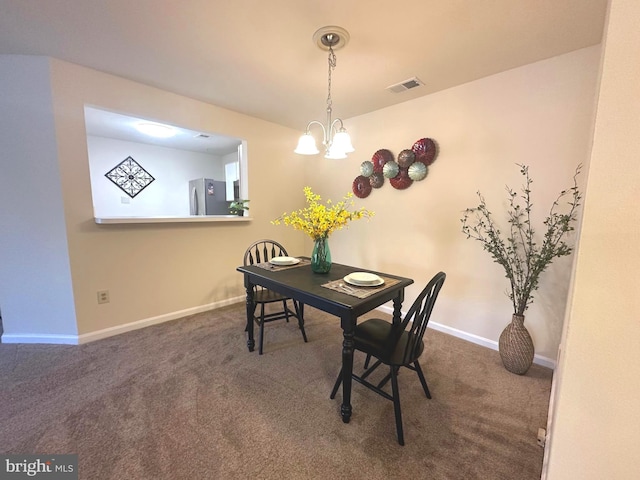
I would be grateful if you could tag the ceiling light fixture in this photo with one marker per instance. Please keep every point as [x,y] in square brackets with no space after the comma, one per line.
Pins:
[156,130]
[335,137]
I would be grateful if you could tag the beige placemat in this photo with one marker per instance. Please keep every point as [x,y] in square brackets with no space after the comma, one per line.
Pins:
[360,292]
[275,268]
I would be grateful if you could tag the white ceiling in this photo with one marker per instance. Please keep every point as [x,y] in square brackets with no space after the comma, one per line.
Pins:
[257,56]
[103,123]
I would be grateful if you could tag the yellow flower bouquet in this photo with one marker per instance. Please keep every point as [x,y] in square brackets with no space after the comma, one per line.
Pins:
[319,220]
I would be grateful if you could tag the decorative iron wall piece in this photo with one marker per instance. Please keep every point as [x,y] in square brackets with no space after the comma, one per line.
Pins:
[130,177]
[411,166]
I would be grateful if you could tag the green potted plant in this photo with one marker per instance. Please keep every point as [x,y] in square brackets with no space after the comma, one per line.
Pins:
[237,207]
[522,256]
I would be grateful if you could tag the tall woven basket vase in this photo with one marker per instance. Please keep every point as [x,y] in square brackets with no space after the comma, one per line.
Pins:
[516,346]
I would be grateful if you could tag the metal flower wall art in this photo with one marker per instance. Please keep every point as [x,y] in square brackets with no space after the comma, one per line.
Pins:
[412,165]
[130,177]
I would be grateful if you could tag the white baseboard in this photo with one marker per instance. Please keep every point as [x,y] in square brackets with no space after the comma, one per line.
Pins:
[39,338]
[147,322]
[110,332]
[470,337]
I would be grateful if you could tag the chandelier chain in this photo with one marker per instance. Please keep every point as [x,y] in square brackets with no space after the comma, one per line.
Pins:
[332,65]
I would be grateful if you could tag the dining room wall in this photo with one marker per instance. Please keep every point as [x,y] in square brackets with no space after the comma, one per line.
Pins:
[539,115]
[154,272]
[165,268]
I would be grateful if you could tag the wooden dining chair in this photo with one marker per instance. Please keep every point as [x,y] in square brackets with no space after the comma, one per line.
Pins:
[396,345]
[263,251]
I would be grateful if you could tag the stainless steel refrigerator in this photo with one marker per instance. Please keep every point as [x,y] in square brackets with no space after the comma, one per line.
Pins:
[207,197]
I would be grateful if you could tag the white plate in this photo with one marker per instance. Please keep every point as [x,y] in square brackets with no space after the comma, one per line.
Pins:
[284,260]
[363,279]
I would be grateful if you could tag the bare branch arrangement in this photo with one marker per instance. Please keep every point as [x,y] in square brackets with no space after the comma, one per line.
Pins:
[522,258]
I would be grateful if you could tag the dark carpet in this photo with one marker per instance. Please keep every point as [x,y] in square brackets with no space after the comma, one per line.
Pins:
[186,400]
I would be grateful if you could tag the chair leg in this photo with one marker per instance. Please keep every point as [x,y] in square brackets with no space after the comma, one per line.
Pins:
[261,328]
[423,381]
[396,404]
[300,316]
[370,370]
[366,362]
[336,386]
[384,381]
[286,310]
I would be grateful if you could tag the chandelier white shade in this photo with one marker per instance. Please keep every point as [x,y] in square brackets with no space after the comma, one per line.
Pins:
[335,138]
[307,145]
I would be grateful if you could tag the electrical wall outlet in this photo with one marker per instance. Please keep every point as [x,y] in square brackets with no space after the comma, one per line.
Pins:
[542,436]
[103,296]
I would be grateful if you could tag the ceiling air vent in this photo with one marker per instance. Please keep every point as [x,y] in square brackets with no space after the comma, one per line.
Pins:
[405,85]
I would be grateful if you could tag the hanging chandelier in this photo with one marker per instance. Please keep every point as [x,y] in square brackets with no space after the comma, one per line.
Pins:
[335,138]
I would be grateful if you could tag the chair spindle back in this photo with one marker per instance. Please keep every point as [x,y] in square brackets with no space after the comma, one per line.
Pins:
[263,251]
[420,312]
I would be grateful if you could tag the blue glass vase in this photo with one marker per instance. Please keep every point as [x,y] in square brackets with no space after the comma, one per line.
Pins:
[321,256]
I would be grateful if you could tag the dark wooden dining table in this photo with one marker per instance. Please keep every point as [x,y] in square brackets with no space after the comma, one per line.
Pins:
[301,284]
